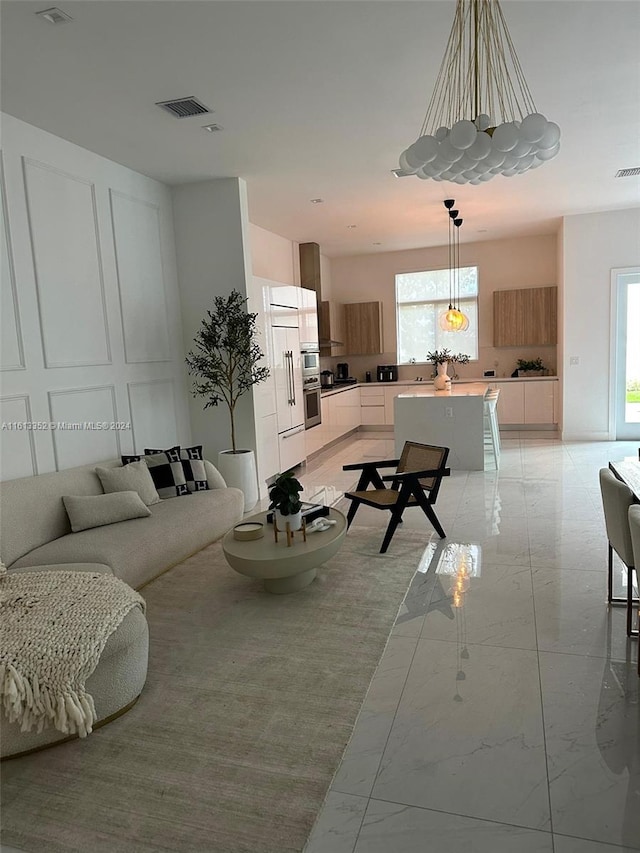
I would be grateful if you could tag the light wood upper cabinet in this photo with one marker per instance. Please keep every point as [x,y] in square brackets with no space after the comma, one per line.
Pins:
[525,317]
[363,328]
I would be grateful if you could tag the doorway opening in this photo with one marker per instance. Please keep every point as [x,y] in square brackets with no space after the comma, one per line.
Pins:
[625,352]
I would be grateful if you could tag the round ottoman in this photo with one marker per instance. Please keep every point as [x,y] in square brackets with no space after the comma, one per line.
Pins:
[115,684]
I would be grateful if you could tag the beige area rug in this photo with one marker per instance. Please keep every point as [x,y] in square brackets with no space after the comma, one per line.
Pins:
[249,704]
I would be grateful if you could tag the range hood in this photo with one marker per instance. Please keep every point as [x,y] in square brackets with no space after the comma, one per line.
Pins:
[310,277]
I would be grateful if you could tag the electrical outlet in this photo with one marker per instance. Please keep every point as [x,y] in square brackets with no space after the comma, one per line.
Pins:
[575,359]
[448,412]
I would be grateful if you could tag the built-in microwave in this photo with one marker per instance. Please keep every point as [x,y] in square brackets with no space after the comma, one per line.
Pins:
[310,358]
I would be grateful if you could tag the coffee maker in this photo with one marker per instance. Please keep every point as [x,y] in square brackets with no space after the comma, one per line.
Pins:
[342,371]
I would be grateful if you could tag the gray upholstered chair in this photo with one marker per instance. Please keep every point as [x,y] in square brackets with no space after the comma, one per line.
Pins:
[634,527]
[617,497]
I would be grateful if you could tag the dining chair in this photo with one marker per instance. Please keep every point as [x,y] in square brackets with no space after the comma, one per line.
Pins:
[491,426]
[634,527]
[617,497]
[415,482]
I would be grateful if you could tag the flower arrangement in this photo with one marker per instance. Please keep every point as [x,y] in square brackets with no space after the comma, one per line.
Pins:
[444,356]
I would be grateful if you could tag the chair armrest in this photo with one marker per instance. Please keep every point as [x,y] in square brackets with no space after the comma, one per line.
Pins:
[358,466]
[405,475]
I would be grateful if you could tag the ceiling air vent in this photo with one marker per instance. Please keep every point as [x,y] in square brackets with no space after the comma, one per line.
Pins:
[184,107]
[54,16]
[628,173]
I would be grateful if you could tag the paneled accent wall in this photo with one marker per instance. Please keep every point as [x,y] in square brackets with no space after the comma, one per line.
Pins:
[63,231]
[143,306]
[91,324]
[11,347]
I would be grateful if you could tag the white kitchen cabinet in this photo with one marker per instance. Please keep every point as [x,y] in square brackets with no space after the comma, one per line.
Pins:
[538,402]
[286,295]
[348,410]
[292,448]
[371,405]
[511,402]
[259,302]
[528,402]
[308,316]
[390,394]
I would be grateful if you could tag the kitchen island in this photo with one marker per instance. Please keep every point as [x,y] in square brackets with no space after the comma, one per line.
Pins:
[453,419]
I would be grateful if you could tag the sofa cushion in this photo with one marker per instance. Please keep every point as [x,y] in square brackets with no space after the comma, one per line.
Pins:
[134,477]
[142,548]
[193,466]
[166,471]
[87,511]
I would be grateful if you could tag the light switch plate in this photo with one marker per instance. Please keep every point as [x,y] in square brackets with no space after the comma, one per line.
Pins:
[574,359]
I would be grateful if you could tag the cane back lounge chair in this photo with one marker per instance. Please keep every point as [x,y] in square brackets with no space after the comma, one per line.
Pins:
[415,482]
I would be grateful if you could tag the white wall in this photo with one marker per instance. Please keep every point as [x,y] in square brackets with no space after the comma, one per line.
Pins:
[274,257]
[212,248]
[593,245]
[502,265]
[90,319]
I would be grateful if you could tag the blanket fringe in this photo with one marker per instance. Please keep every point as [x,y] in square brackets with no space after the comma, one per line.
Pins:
[32,706]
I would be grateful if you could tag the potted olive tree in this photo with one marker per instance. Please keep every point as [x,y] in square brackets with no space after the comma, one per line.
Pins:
[225,362]
[284,495]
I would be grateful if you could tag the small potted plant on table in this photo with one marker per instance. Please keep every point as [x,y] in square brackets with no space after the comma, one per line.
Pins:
[284,495]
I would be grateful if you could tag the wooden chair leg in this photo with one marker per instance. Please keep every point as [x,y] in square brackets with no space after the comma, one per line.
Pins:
[429,512]
[396,519]
[353,509]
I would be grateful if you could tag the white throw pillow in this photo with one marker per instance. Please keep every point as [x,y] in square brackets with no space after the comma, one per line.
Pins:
[134,477]
[87,511]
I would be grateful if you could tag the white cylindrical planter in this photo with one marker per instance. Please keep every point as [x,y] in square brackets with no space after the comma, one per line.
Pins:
[294,521]
[239,471]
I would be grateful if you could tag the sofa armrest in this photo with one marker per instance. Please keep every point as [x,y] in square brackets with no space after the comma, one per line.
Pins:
[214,477]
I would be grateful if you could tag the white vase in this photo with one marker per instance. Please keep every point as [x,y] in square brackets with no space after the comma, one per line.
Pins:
[442,382]
[239,471]
[294,521]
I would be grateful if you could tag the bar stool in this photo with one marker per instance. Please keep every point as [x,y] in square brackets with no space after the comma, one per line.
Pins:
[617,497]
[490,421]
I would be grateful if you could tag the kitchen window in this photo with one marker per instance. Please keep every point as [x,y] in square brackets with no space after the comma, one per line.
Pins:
[421,297]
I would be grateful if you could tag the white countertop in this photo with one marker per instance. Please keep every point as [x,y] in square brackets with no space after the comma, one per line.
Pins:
[458,389]
[428,383]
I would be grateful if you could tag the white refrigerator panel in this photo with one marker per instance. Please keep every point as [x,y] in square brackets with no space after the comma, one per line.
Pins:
[287,369]
[292,448]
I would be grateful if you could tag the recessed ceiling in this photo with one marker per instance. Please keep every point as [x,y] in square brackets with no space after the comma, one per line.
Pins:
[318,99]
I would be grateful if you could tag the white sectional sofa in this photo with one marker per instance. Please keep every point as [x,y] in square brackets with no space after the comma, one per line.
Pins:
[36,536]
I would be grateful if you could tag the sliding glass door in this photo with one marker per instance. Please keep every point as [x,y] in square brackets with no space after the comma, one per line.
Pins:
[626,355]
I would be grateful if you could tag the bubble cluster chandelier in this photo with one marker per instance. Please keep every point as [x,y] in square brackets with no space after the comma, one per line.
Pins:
[481,120]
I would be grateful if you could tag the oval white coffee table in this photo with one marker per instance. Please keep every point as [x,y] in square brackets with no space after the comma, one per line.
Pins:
[284,569]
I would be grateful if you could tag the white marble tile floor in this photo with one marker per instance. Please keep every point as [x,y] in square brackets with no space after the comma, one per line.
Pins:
[504,715]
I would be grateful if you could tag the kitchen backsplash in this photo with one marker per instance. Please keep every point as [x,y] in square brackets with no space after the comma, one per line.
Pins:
[506,359]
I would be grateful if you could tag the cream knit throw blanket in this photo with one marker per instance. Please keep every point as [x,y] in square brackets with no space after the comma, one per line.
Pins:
[53,628]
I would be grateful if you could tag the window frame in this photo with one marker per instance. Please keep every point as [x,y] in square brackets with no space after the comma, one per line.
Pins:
[443,301]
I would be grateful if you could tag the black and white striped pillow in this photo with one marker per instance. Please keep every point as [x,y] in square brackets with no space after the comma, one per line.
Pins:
[167,472]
